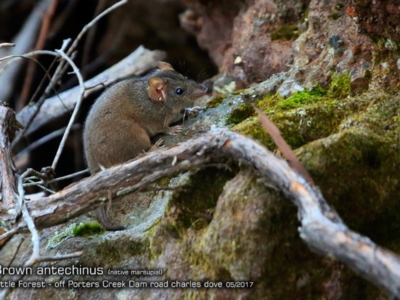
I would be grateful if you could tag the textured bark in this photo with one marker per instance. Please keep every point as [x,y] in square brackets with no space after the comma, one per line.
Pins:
[8,125]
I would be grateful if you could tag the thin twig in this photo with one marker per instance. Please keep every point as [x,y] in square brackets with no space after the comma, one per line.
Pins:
[41,84]
[22,178]
[28,55]
[28,219]
[4,45]
[76,109]
[31,182]
[56,77]
[288,153]
[69,176]
[10,233]
[39,184]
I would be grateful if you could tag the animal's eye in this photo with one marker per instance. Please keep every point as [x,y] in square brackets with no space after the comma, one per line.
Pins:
[179,91]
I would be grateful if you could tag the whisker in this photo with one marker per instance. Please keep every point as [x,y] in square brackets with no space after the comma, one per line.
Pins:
[202,75]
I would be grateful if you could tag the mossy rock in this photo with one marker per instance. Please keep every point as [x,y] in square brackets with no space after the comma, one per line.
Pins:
[356,170]
[301,125]
[196,202]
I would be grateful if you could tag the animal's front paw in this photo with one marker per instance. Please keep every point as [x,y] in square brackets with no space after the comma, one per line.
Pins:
[174,130]
[157,145]
[193,111]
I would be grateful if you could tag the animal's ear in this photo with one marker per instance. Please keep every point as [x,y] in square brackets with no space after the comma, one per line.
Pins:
[164,66]
[157,89]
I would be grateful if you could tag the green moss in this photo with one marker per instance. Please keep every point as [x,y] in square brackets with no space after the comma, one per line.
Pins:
[214,102]
[240,113]
[302,98]
[285,32]
[339,86]
[88,229]
[269,102]
[305,17]
[252,127]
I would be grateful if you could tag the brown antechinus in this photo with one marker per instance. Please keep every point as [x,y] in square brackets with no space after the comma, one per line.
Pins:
[124,118]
